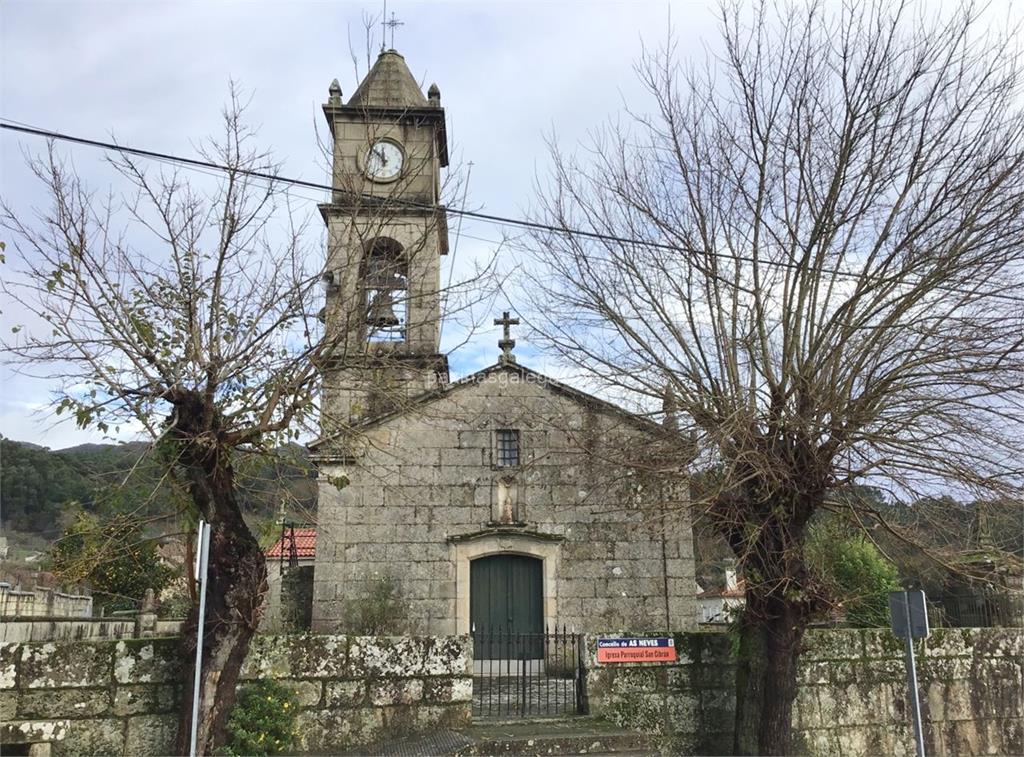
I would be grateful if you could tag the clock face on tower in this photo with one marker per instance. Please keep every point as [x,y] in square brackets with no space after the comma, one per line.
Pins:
[383,160]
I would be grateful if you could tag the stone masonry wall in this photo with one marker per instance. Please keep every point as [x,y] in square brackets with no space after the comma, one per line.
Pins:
[689,704]
[42,602]
[122,697]
[425,498]
[66,629]
[852,698]
[80,629]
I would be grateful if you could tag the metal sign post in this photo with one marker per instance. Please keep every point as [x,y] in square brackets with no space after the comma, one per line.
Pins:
[202,565]
[909,617]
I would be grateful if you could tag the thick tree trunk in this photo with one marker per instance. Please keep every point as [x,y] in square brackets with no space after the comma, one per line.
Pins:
[766,680]
[781,599]
[234,597]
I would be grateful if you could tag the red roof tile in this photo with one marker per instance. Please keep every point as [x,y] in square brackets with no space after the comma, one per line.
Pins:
[305,544]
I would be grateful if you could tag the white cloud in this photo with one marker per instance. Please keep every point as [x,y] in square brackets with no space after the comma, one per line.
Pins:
[155,74]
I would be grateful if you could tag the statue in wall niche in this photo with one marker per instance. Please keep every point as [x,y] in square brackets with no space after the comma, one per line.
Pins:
[507,501]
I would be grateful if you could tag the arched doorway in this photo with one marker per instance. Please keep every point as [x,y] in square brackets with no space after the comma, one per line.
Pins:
[506,596]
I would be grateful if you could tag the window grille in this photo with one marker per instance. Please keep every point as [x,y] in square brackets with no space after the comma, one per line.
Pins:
[508,447]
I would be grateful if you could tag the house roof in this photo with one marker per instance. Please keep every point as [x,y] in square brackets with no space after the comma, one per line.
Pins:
[305,544]
[389,84]
[739,591]
[528,374]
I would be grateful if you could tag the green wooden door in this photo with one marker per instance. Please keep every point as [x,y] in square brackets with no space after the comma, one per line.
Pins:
[506,596]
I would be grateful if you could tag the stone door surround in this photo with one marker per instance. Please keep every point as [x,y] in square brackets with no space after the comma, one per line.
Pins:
[505,541]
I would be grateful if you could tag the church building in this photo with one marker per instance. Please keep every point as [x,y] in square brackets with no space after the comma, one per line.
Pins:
[505,500]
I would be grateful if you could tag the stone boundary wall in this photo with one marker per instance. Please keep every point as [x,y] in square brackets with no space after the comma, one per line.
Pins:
[852,698]
[16,602]
[122,697]
[687,704]
[65,629]
[357,689]
[141,626]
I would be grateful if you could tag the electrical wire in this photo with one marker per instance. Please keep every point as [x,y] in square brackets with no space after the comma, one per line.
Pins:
[18,126]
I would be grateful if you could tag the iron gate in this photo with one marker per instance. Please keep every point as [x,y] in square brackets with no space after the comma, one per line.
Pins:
[528,674]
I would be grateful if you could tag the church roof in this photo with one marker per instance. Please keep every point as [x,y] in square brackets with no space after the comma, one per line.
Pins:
[389,84]
[644,424]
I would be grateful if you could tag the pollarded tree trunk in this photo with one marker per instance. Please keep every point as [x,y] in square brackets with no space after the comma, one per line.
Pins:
[781,599]
[234,595]
[766,681]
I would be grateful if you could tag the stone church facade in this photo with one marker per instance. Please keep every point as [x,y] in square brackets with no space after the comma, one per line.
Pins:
[504,500]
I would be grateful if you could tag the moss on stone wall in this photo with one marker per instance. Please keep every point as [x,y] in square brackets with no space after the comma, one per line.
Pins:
[851,698]
[122,697]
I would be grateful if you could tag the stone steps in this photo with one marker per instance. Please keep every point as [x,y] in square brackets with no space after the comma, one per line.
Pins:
[537,738]
[570,736]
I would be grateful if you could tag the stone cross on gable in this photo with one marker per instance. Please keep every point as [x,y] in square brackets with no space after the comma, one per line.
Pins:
[507,342]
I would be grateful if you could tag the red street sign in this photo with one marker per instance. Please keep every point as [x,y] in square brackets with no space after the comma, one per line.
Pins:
[662,649]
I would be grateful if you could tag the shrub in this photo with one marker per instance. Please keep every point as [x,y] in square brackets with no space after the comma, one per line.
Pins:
[263,720]
[113,557]
[857,573]
[379,609]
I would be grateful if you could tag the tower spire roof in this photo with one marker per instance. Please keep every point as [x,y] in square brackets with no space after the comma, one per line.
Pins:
[389,84]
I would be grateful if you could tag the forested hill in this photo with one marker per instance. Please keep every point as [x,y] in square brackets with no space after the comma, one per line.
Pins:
[38,486]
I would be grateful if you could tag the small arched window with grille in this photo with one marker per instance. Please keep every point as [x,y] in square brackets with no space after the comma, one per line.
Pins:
[386,290]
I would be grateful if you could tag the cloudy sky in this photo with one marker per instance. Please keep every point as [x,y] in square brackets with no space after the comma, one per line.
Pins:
[155,75]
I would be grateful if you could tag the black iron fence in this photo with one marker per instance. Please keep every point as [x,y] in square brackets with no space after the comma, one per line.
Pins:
[977,609]
[528,674]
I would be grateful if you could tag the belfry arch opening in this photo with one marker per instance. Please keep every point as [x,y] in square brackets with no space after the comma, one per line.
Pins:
[385,283]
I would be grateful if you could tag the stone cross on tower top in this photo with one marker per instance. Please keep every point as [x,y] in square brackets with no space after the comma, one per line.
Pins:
[507,342]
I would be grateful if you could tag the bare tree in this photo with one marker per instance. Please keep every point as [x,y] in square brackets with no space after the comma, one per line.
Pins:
[196,317]
[809,250]
[198,329]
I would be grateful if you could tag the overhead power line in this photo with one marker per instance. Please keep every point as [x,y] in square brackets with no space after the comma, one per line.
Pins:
[6,123]
[268,176]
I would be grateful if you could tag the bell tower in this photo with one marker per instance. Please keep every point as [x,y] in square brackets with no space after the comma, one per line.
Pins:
[386,232]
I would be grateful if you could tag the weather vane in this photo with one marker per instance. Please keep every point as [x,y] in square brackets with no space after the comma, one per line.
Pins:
[388,23]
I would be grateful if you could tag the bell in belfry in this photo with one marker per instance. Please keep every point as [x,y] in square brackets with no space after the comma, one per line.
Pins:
[382,311]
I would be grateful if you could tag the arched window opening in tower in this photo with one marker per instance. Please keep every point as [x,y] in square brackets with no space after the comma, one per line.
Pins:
[386,288]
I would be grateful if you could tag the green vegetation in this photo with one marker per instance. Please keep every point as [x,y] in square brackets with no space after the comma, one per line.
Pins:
[38,485]
[984,539]
[855,572]
[101,510]
[113,557]
[380,608]
[35,484]
[263,720]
